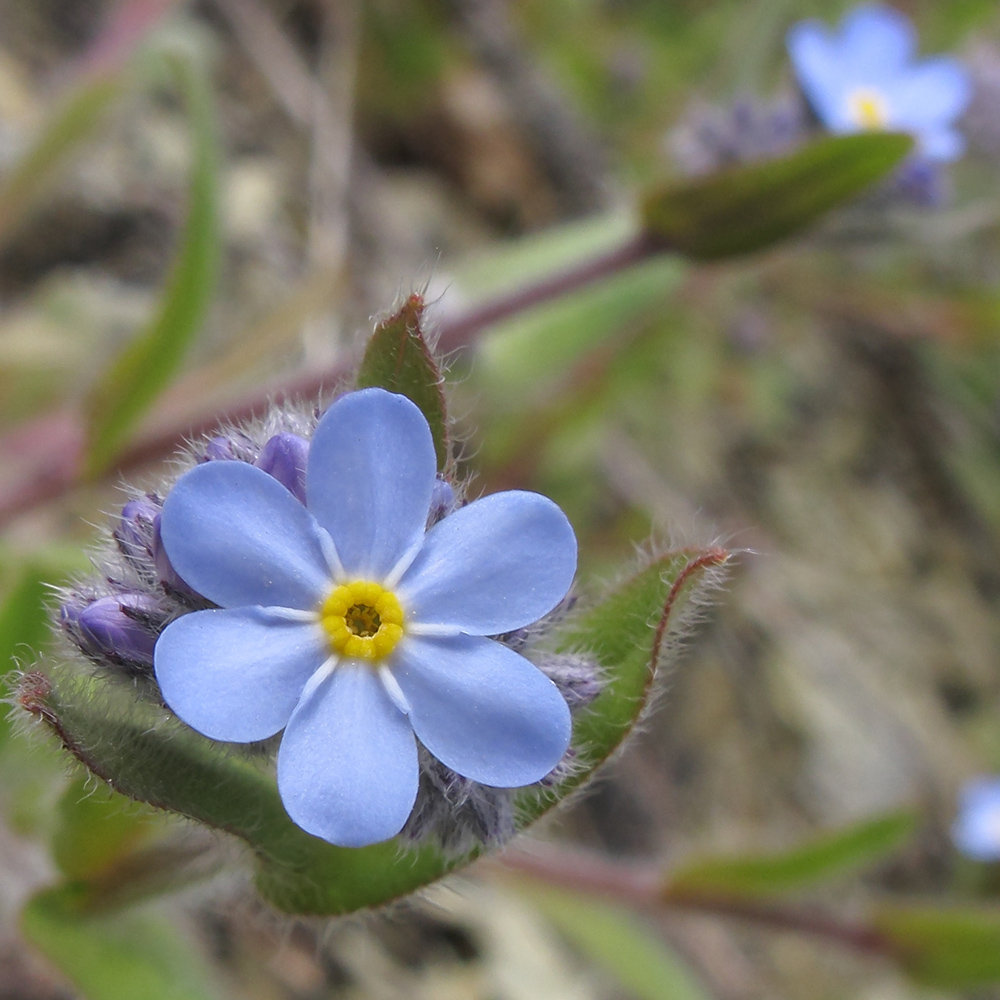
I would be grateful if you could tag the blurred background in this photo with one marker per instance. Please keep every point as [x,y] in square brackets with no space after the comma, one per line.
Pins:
[830,408]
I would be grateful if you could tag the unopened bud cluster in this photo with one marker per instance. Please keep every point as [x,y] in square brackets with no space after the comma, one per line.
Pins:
[115,617]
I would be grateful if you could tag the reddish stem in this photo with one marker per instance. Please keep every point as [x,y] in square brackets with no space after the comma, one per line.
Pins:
[646,886]
[56,467]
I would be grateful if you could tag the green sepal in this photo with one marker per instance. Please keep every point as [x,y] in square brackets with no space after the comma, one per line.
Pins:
[827,856]
[398,359]
[146,754]
[747,208]
[947,947]
[136,955]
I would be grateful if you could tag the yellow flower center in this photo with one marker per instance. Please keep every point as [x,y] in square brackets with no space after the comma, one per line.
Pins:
[362,619]
[868,109]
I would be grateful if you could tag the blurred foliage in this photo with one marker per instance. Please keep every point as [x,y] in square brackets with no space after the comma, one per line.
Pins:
[837,396]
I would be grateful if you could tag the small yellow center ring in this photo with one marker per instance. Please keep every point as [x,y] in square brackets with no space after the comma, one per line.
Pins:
[363,620]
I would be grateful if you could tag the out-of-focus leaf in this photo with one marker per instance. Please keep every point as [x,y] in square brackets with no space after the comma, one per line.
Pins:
[824,857]
[96,826]
[529,350]
[397,358]
[24,619]
[149,362]
[619,942]
[948,947]
[750,207]
[132,955]
[72,122]
[146,755]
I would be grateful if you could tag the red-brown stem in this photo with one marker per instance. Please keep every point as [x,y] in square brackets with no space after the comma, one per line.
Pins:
[58,469]
[646,887]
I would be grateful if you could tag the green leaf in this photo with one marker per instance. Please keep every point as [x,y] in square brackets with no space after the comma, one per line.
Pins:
[541,344]
[147,755]
[397,358]
[827,856]
[73,121]
[747,208]
[149,362]
[134,955]
[24,616]
[620,942]
[96,827]
[948,947]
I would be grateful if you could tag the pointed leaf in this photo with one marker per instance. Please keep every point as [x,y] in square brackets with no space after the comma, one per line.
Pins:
[620,942]
[134,955]
[24,616]
[149,362]
[948,947]
[397,358]
[825,857]
[95,827]
[147,755]
[750,207]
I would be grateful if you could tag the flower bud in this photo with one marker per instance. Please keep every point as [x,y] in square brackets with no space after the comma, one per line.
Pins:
[134,531]
[442,501]
[120,629]
[165,573]
[227,448]
[284,457]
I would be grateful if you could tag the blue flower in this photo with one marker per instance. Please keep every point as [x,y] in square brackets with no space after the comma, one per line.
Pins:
[354,629]
[866,77]
[976,831]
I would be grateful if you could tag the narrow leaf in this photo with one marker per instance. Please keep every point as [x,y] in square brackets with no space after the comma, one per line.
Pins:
[72,122]
[148,755]
[948,947]
[397,358]
[133,955]
[750,207]
[24,617]
[149,362]
[825,857]
[96,827]
[619,942]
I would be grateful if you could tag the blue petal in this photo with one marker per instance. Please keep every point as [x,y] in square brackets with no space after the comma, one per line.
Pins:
[876,43]
[819,69]
[482,709]
[942,144]
[347,765]
[236,675]
[496,565]
[371,473]
[238,537]
[976,832]
[934,93]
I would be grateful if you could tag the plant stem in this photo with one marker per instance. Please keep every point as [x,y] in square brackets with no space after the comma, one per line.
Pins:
[646,886]
[56,442]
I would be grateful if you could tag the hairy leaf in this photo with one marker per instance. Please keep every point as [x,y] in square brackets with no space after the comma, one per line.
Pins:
[750,207]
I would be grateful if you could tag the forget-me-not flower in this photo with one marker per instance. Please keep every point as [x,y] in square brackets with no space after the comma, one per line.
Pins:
[976,831]
[866,77]
[347,624]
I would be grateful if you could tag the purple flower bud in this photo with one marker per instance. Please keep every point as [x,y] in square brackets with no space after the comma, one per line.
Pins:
[578,678]
[134,531]
[442,501]
[284,457]
[120,629]
[227,448]
[166,575]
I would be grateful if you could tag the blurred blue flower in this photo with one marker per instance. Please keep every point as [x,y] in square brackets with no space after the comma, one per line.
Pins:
[866,77]
[976,831]
[347,625]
